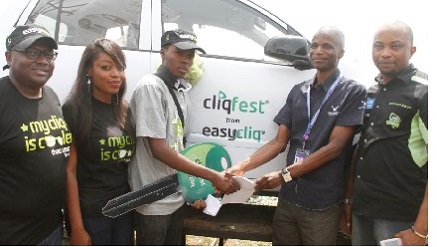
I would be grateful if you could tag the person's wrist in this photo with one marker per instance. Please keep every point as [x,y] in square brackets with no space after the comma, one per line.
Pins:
[286,175]
[216,176]
[280,175]
[421,235]
[240,169]
[348,201]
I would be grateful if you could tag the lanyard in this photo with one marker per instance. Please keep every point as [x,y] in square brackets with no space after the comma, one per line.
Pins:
[316,115]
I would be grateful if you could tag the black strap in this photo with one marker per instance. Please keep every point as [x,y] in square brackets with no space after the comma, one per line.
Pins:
[161,74]
[176,101]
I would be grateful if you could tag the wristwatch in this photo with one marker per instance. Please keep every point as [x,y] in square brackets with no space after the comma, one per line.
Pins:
[286,175]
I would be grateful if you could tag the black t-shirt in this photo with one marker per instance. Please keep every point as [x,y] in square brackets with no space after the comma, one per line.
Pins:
[34,148]
[102,165]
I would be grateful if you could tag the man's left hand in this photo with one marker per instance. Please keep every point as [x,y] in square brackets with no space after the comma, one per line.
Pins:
[269,181]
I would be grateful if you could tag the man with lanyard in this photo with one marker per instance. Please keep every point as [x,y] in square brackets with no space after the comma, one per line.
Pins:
[318,120]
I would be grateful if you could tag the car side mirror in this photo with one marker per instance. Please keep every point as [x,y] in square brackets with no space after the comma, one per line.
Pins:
[289,48]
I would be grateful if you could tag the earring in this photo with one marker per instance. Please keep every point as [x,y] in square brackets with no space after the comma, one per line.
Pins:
[88,82]
[116,96]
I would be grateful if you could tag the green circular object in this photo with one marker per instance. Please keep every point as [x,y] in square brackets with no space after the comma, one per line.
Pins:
[206,154]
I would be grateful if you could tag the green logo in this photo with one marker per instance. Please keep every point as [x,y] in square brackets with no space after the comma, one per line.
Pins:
[206,154]
[222,102]
[393,120]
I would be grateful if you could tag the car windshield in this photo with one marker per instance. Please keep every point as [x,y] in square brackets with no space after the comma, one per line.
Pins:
[81,21]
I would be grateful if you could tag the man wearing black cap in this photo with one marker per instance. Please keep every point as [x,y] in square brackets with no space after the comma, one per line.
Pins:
[159,109]
[34,142]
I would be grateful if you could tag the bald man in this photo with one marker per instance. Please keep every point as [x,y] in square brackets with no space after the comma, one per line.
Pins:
[390,178]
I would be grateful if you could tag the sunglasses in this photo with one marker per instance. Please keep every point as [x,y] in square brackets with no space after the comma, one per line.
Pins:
[34,54]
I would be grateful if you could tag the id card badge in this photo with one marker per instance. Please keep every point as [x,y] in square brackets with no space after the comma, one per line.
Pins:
[301,154]
[369,104]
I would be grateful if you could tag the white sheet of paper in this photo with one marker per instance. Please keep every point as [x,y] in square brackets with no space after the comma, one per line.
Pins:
[246,190]
[212,205]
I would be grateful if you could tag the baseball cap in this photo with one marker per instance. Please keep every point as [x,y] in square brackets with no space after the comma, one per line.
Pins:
[24,36]
[182,39]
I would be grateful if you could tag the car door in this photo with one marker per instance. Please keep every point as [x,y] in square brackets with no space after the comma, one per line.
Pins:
[241,89]
[75,23]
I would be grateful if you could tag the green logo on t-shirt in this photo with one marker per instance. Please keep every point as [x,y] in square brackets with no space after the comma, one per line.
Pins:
[116,148]
[50,133]
[393,120]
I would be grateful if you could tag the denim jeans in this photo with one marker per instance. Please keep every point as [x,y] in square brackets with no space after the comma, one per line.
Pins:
[159,229]
[294,225]
[369,231]
[108,231]
[54,239]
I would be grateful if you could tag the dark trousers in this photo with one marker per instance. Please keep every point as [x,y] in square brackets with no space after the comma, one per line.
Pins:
[54,239]
[159,229]
[294,225]
[369,231]
[107,231]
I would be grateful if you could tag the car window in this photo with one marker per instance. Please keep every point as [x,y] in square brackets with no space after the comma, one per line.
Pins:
[223,27]
[78,22]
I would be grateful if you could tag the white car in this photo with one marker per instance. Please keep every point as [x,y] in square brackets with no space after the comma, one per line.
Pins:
[241,89]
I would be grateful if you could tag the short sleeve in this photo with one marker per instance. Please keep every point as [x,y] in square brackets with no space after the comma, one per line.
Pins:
[352,112]
[148,110]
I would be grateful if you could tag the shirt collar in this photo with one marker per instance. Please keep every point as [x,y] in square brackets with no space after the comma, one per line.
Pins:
[404,76]
[166,75]
[328,82]
[180,84]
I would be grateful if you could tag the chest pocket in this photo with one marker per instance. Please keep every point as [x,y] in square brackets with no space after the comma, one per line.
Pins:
[394,110]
